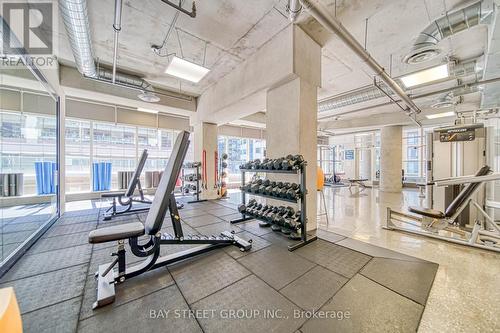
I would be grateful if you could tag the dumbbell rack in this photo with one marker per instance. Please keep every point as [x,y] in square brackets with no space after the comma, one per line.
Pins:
[197,182]
[303,190]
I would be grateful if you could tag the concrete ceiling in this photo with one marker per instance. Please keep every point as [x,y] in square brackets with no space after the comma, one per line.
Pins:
[232,30]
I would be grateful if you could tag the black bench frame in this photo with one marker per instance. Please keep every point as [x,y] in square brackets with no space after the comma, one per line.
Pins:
[108,274]
[127,198]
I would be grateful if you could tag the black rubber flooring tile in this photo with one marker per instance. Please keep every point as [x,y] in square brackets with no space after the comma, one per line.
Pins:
[132,289]
[59,242]
[60,317]
[334,257]
[56,230]
[371,308]
[253,227]
[255,301]
[93,211]
[191,213]
[313,289]
[330,236]
[231,217]
[408,278]
[50,288]
[375,251]
[204,275]
[64,220]
[277,266]
[39,263]
[221,211]
[217,228]
[257,244]
[279,239]
[155,313]
[199,221]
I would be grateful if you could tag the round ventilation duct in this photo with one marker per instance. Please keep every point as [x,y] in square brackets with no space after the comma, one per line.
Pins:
[418,55]
[149,97]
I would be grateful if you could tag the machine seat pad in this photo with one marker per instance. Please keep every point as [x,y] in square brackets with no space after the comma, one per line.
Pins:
[112,194]
[117,232]
[427,212]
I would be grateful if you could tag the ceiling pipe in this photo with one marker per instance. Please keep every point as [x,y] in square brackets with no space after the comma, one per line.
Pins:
[293,8]
[117,26]
[426,46]
[75,18]
[461,90]
[325,19]
[178,7]
[456,70]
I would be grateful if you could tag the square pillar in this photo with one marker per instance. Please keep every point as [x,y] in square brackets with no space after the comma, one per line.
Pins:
[205,135]
[291,127]
[391,158]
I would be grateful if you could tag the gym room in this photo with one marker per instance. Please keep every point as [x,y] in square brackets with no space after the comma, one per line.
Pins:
[249,166]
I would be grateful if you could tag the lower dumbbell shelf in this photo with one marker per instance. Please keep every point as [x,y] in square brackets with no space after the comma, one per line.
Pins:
[270,196]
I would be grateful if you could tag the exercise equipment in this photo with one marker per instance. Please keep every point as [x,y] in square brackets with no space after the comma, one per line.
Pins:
[190,178]
[443,225]
[127,198]
[281,218]
[117,272]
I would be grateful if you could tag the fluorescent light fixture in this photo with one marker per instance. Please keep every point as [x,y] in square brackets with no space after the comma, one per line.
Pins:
[147,110]
[186,70]
[440,115]
[425,76]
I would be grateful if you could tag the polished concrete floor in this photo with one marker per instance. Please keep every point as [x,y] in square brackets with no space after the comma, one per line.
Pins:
[466,292]
[357,286]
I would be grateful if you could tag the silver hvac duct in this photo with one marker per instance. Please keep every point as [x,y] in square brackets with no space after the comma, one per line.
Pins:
[426,46]
[326,20]
[368,93]
[76,22]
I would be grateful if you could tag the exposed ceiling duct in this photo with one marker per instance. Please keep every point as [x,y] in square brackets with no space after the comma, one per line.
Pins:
[456,70]
[491,93]
[75,18]
[330,23]
[426,45]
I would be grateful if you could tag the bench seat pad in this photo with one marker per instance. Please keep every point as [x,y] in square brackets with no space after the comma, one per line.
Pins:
[117,232]
[427,212]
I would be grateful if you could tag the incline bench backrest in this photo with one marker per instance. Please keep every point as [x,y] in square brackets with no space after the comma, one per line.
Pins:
[137,173]
[161,201]
[466,192]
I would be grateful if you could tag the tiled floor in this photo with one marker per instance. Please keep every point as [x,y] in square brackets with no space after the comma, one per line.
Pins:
[18,223]
[271,289]
[465,293]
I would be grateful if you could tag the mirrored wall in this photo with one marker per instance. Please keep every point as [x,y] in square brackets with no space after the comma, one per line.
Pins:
[28,159]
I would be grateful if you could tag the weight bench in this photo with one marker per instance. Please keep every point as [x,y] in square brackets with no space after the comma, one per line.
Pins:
[117,272]
[127,198]
[360,182]
[437,224]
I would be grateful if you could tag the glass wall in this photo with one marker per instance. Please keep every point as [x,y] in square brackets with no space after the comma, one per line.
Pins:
[239,151]
[413,154]
[28,161]
[89,142]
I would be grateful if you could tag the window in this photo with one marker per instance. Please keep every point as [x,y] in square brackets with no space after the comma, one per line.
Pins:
[26,139]
[77,156]
[239,151]
[412,153]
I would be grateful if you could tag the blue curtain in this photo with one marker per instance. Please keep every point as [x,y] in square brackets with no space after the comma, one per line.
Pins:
[101,176]
[45,180]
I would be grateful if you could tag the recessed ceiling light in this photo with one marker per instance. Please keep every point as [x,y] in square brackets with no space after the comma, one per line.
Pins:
[186,70]
[146,110]
[425,76]
[440,115]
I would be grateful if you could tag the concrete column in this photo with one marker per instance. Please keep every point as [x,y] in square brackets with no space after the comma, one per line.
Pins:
[205,140]
[291,129]
[365,161]
[391,145]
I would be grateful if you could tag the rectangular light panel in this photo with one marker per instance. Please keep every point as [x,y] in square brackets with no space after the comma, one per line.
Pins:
[186,70]
[425,76]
